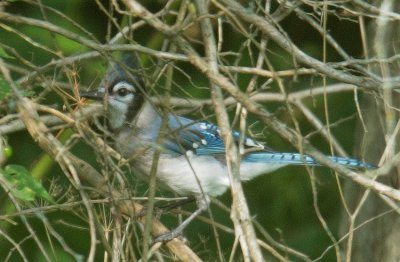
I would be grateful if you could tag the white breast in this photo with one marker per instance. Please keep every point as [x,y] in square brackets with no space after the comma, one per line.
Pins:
[191,175]
[188,175]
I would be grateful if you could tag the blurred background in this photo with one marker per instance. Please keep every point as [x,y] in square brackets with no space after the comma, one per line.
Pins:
[282,203]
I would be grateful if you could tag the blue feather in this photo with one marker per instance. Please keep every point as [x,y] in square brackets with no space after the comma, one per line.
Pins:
[299,159]
[203,138]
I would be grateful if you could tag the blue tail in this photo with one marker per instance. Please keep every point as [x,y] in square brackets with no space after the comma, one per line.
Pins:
[299,159]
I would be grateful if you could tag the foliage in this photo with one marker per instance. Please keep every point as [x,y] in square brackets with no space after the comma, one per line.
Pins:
[308,65]
[22,185]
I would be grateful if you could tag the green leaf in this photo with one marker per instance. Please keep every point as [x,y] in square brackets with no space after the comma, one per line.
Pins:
[5,89]
[22,185]
[7,151]
[4,54]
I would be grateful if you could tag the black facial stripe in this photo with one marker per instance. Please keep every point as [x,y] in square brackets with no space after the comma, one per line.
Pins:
[138,100]
[112,85]
[134,107]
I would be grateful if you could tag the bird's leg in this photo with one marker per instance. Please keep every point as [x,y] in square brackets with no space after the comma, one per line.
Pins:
[202,204]
[179,203]
[167,207]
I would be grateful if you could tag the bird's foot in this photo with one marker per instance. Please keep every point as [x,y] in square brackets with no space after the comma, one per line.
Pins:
[169,236]
[202,203]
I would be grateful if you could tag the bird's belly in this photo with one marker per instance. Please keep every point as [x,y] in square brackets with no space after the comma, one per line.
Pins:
[248,171]
[188,176]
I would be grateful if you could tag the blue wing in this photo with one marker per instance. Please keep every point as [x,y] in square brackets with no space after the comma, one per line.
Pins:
[299,159]
[202,138]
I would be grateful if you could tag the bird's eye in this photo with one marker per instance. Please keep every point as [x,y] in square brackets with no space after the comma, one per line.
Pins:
[122,91]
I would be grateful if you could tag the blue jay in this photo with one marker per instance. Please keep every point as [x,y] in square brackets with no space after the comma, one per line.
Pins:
[192,160]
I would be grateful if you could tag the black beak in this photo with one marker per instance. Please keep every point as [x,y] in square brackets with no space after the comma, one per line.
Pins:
[94,95]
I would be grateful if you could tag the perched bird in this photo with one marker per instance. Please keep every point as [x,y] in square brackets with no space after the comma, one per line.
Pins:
[192,159]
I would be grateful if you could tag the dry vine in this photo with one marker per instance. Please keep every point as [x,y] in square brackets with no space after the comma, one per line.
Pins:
[191,42]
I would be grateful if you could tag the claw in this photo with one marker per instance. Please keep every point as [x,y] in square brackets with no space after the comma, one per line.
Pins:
[202,202]
[168,236]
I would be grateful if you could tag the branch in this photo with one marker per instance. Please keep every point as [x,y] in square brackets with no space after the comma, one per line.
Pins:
[269,29]
[284,131]
[240,213]
[88,174]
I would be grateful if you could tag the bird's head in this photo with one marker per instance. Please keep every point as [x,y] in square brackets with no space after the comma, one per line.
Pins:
[121,91]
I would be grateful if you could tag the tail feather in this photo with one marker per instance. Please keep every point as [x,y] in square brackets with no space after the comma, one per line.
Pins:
[299,159]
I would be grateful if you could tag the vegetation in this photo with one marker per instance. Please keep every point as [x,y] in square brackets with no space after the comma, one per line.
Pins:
[317,77]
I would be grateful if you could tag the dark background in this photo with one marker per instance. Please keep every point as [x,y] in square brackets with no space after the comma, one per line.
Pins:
[281,202]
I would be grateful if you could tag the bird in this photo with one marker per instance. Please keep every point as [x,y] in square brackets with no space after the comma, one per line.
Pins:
[192,156]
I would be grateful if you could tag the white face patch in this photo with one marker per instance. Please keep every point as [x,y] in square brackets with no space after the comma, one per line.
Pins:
[118,101]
